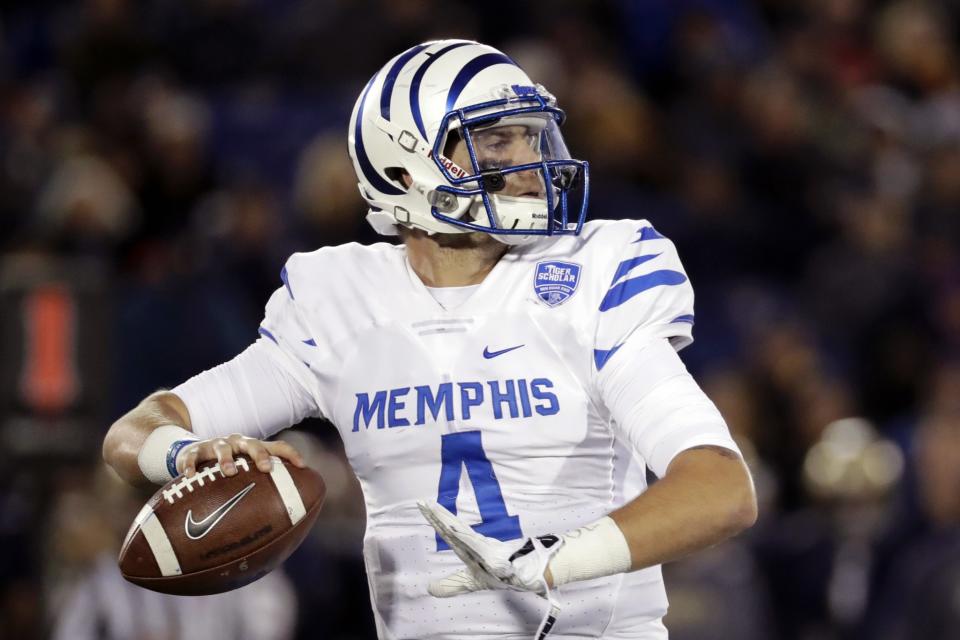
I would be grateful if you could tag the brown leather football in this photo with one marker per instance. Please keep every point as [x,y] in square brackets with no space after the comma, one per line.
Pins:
[212,533]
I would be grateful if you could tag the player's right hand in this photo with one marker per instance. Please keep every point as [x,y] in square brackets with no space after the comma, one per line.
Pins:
[490,563]
[223,451]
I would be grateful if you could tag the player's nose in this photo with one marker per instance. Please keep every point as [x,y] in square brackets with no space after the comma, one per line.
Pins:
[525,183]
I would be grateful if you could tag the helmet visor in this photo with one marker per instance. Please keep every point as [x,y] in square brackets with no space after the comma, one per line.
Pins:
[519,172]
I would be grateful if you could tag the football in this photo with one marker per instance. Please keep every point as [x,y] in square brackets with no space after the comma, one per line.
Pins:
[212,533]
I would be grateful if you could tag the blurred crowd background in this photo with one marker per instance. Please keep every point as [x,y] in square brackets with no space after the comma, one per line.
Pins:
[160,159]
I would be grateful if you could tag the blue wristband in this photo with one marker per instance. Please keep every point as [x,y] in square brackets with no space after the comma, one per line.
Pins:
[172,453]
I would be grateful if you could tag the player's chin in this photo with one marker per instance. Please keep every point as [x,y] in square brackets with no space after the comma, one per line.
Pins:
[471,240]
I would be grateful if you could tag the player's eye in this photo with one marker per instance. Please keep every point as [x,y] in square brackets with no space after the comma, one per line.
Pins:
[497,146]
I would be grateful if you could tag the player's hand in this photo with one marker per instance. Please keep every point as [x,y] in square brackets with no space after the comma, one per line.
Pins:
[491,564]
[223,451]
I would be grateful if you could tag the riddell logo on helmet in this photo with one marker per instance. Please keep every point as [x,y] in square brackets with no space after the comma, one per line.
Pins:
[452,167]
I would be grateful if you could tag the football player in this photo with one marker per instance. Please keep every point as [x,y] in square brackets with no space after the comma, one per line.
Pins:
[501,379]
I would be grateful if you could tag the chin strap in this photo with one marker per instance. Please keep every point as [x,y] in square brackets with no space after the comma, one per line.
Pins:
[529,564]
[549,619]
[542,549]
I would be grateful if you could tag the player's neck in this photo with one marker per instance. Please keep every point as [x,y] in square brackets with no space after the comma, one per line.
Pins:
[452,260]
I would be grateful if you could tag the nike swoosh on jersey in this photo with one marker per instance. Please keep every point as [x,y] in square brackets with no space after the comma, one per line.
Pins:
[493,354]
[196,530]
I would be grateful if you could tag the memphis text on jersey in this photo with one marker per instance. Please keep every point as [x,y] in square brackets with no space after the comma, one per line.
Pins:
[449,401]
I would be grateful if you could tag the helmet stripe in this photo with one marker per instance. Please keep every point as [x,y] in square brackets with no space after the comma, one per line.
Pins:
[418,77]
[387,92]
[470,71]
[375,179]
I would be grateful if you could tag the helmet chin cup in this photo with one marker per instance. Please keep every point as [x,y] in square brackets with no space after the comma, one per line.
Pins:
[512,213]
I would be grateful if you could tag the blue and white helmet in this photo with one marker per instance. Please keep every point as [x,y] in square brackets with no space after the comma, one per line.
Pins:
[519,181]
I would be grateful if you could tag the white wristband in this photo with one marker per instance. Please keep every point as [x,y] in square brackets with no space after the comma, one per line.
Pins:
[593,551]
[158,455]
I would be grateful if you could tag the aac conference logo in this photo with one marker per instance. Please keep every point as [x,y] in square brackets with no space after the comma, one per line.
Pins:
[554,282]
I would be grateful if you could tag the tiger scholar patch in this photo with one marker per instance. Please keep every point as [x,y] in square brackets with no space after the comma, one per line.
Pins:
[554,281]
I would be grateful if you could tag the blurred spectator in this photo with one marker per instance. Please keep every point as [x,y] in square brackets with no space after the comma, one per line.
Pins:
[325,193]
[176,169]
[720,593]
[85,207]
[918,596]
[819,560]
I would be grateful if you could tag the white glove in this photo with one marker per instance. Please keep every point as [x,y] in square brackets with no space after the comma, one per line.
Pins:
[595,550]
[491,564]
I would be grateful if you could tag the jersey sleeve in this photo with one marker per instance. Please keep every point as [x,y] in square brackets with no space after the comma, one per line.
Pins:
[268,387]
[647,294]
[293,342]
[657,405]
[253,394]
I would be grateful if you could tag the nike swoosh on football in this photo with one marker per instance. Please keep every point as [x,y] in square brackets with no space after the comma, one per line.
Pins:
[196,530]
[493,354]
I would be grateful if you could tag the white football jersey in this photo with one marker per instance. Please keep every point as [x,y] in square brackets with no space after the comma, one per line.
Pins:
[492,408]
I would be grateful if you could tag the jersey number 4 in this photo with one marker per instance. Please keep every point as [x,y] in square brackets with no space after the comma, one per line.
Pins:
[465,450]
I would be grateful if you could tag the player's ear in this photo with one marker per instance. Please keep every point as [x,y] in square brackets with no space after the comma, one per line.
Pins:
[450,144]
[400,176]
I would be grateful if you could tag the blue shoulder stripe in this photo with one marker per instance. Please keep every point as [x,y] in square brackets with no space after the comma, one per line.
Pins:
[286,282]
[648,233]
[688,318]
[267,334]
[622,292]
[627,265]
[600,356]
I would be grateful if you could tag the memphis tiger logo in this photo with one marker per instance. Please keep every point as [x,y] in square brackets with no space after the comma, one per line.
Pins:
[554,281]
